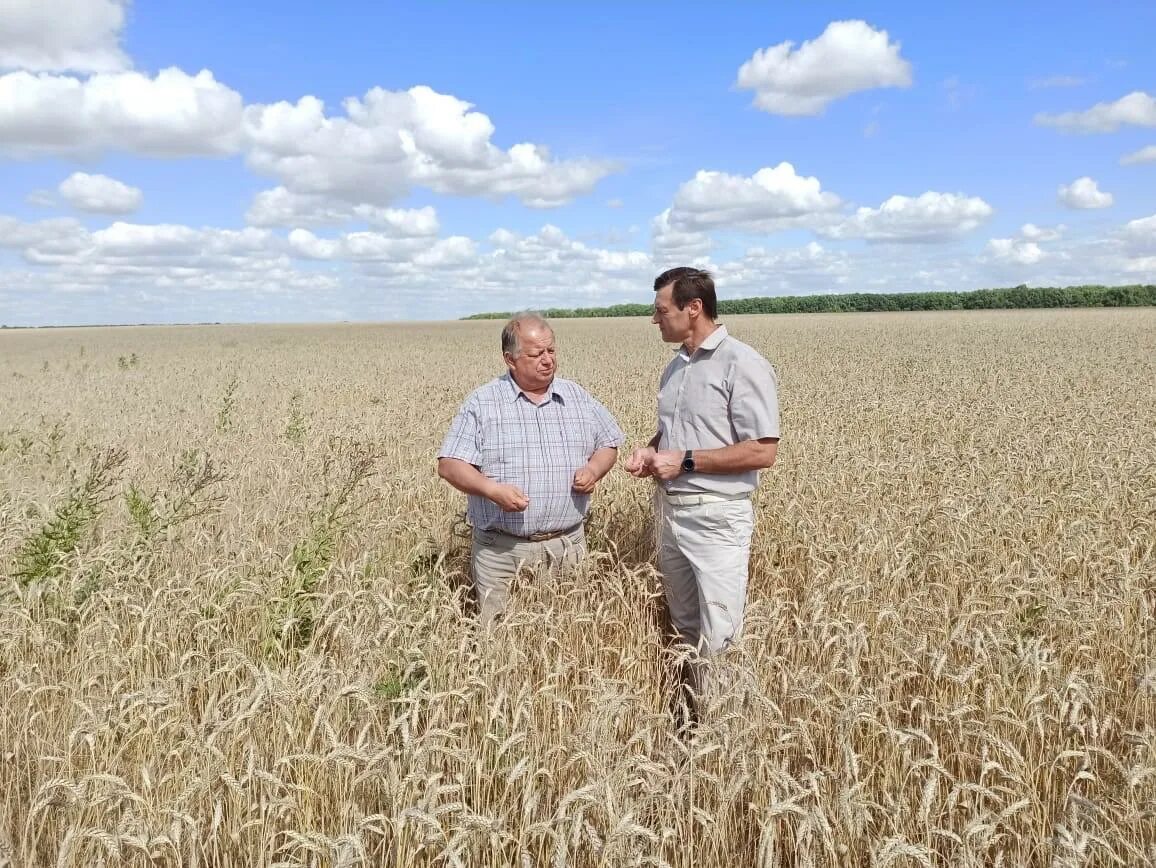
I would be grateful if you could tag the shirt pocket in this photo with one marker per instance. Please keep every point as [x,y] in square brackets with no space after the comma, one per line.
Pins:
[496,451]
[576,438]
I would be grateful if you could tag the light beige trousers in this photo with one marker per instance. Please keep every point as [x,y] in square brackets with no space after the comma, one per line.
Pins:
[704,548]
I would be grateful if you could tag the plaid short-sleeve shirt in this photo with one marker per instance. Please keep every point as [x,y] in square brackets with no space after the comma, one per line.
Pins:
[537,447]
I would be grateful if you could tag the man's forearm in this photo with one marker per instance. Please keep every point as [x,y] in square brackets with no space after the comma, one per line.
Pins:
[739,458]
[465,477]
[602,461]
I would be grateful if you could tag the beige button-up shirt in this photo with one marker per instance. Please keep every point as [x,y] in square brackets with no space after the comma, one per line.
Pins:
[721,394]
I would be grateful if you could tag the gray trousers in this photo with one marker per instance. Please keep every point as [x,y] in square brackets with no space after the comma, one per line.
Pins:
[496,559]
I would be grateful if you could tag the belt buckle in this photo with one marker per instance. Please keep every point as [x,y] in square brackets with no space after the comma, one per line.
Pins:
[544,536]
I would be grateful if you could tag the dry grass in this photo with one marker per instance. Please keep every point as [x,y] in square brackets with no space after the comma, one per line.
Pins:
[232,630]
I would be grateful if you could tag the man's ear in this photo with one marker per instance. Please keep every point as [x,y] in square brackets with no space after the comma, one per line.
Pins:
[694,306]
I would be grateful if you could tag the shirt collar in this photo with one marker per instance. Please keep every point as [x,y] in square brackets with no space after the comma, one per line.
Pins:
[516,391]
[711,343]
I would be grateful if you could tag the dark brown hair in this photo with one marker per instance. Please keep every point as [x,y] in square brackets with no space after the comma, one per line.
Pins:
[690,283]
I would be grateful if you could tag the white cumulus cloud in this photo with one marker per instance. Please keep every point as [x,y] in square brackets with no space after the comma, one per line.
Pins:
[1015,250]
[403,222]
[99,194]
[280,207]
[17,234]
[379,148]
[445,253]
[508,271]
[366,246]
[1136,109]
[1140,235]
[144,240]
[135,249]
[135,239]
[770,199]
[1144,155]
[308,246]
[58,35]
[168,115]
[1143,265]
[849,56]
[564,271]
[130,272]
[931,216]
[390,141]
[671,244]
[1083,193]
[785,271]
[1032,232]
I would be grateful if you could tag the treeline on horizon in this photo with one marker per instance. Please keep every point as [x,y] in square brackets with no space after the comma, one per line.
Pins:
[1010,298]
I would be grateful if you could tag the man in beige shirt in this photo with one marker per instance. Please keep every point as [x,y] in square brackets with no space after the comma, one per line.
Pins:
[718,425]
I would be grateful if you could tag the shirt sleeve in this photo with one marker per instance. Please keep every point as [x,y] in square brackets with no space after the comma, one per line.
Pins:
[606,430]
[464,440]
[754,402]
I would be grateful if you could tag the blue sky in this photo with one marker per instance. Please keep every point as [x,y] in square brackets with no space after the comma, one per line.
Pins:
[271,162]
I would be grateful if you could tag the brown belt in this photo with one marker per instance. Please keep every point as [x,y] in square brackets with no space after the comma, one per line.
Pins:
[541,537]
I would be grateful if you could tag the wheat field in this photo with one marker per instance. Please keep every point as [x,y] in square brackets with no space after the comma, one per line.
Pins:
[234,627]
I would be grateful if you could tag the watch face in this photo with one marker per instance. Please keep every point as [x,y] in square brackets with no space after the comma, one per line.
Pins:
[688,465]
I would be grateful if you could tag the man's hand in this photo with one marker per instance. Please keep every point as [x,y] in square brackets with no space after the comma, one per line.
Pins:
[509,498]
[666,464]
[638,464]
[584,480]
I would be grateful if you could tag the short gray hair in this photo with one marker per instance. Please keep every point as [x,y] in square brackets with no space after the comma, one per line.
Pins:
[512,333]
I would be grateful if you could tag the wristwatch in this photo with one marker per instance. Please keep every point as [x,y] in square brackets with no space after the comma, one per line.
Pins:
[688,462]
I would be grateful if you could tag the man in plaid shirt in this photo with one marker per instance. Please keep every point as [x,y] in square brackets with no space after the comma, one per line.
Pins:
[527,448]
